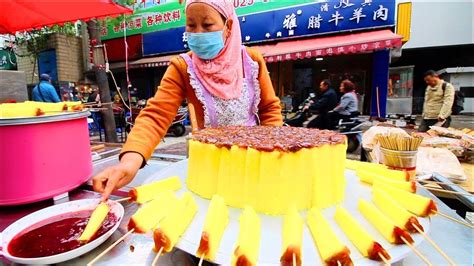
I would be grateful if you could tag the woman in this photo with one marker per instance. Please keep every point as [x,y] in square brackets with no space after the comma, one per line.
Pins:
[227,84]
[348,105]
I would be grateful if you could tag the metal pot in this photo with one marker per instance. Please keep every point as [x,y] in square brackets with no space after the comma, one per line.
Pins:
[42,157]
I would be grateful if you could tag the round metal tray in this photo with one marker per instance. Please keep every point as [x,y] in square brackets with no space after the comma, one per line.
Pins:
[271,227]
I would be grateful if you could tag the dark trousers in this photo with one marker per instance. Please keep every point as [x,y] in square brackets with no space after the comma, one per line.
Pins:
[427,123]
[320,122]
[335,117]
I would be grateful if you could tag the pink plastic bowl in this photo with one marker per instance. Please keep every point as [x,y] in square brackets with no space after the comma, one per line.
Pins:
[42,157]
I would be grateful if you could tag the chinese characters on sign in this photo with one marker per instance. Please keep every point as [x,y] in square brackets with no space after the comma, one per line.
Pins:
[301,19]
[289,23]
[149,20]
[337,50]
[358,13]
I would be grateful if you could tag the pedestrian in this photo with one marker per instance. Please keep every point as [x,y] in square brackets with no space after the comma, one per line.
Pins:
[227,83]
[439,100]
[324,103]
[348,105]
[44,91]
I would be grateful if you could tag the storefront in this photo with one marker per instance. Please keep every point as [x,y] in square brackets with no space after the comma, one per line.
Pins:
[302,43]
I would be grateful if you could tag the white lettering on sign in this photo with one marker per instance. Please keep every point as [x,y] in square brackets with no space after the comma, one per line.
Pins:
[185,37]
[3,61]
[357,15]
[290,22]
[336,17]
[343,4]
[314,22]
[367,3]
[381,13]
[325,7]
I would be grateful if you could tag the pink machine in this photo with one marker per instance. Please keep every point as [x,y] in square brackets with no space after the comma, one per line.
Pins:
[42,157]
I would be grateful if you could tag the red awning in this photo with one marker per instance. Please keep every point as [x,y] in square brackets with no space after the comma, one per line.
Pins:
[23,15]
[335,45]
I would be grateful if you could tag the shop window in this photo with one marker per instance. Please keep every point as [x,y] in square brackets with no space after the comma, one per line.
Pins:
[400,83]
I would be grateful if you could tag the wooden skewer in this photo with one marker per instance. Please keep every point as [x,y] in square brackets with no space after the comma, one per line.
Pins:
[157,257]
[433,182]
[418,253]
[111,247]
[123,199]
[339,263]
[385,260]
[201,259]
[294,259]
[447,191]
[454,219]
[451,262]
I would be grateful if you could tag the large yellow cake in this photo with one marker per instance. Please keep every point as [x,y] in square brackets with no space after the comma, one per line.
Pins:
[268,168]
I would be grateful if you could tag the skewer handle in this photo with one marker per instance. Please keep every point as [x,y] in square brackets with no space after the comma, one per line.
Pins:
[294,260]
[447,191]
[450,261]
[417,252]
[123,199]
[155,260]
[385,260]
[455,220]
[109,248]
[201,260]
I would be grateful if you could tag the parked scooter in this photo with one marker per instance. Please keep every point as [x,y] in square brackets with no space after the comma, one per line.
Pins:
[176,128]
[352,128]
[302,115]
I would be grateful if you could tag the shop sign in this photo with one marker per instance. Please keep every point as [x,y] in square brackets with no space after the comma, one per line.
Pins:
[7,60]
[158,15]
[298,20]
[337,50]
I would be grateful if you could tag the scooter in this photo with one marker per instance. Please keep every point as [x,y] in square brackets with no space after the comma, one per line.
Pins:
[301,116]
[352,128]
[176,128]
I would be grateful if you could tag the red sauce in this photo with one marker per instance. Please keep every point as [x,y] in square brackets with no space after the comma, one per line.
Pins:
[133,225]
[376,251]
[241,260]
[203,244]
[55,236]
[410,225]
[161,241]
[287,257]
[399,233]
[133,194]
[342,257]
[430,209]
[413,187]
[262,138]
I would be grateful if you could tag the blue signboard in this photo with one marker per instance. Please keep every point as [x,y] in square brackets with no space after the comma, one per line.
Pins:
[305,20]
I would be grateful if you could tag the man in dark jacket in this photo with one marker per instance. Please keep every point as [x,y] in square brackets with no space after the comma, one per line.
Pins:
[326,102]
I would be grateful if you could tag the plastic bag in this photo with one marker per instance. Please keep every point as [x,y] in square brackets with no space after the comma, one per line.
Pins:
[441,161]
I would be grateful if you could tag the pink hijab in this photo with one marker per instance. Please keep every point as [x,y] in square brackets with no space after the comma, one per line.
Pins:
[223,75]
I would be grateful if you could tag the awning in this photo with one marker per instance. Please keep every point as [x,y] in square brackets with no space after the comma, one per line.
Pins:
[157,61]
[326,46]
[21,15]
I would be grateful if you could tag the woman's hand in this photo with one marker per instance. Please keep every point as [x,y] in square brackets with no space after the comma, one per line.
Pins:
[117,176]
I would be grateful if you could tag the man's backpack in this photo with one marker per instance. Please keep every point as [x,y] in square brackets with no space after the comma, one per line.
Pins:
[458,104]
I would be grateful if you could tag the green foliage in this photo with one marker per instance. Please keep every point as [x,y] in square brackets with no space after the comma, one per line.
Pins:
[36,41]
[116,21]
